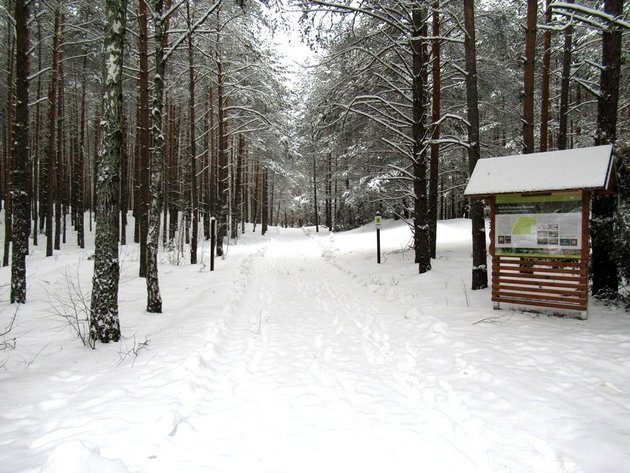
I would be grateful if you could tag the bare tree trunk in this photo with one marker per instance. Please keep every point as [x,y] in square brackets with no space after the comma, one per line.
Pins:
[8,164]
[36,143]
[104,323]
[315,194]
[605,267]
[60,149]
[194,204]
[528,92]
[435,135]
[328,202]
[222,168]
[205,182]
[480,269]
[21,200]
[565,86]
[546,72]
[265,202]
[143,196]
[154,299]
[51,150]
[237,205]
[419,135]
[80,165]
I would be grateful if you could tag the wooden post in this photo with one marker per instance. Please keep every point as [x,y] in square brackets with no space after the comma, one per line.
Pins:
[213,241]
[378,220]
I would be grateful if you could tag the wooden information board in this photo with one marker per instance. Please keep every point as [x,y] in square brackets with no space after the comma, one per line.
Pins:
[539,248]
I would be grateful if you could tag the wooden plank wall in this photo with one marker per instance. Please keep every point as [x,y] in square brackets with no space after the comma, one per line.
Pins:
[540,282]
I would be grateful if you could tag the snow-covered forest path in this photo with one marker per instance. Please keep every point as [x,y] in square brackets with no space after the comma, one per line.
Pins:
[300,354]
[305,378]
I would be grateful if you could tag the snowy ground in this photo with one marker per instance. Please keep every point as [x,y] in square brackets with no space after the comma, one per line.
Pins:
[300,354]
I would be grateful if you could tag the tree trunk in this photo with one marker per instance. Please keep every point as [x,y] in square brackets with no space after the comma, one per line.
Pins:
[565,86]
[238,194]
[528,80]
[605,268]
[435,135]
[546,72]
[143,196]
[154,299]
[36,143]
[222,167]
[79,211]
[8,158]
[58,195]
[419,135]
[480,269]
[315,194]
[104,323]
[21,200]
[265,202]
[194,204]
[51,150]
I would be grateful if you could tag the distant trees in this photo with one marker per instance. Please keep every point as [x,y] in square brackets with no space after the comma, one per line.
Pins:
[361,101]
[387,121]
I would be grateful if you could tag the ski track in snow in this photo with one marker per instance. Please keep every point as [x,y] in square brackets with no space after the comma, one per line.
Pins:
[307,365]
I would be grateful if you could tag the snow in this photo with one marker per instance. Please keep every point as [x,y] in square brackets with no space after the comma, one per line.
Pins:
[300,353]
[572,169]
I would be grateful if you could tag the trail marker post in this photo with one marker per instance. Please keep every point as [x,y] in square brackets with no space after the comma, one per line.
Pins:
[378,220]
[213,241]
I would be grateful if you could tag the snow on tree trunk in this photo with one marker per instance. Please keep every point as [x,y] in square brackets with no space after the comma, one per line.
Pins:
[104,324]
[605,269]
[435,128]
[564,86]
[222,165]
[51,150]
[154,299]
[194,204]
[143,197]
[528,81]
[20,194]
[419,135]
[546,73]
[479,271]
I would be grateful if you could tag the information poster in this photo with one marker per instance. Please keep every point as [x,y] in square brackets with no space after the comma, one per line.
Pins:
[547,225]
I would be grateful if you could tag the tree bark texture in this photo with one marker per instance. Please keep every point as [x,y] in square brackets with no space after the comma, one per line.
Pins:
[435,128]
[419,135]
[8,158]
[194,198]
[143,196]
[546,73]
[565,86]
[154,299]
[104,323]
[20,194]
[528,80]
[51,149]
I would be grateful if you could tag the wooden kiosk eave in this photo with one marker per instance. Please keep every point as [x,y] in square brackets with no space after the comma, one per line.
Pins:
[553,281]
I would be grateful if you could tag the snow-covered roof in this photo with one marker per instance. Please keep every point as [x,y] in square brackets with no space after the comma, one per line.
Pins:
[583,168]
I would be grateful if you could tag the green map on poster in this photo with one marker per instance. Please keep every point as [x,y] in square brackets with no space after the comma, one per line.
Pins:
[547,225]
[523,225]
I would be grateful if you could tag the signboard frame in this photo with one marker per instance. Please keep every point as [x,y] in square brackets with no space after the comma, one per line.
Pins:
[542,225]
[543,280]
